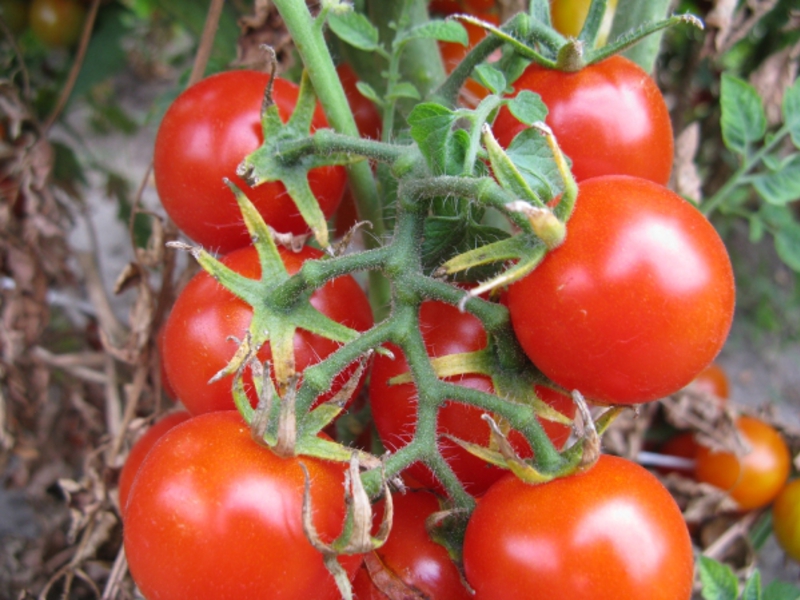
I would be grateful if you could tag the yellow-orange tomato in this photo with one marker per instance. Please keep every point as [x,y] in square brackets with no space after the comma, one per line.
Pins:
[786,519]
[568,17]
[713,380]
[755,479]
[58,23]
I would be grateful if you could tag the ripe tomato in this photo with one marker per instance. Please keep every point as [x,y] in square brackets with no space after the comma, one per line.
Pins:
[786,519]
[204,136]
[635,303]
[681,445]
[368,119]
[611,532]
[205,316]
[754,479]
[450,7]
[568,17]
[140,450]
[411,556]
[714,381]
[610,119]
[446,331]
[214,515]
[58,23]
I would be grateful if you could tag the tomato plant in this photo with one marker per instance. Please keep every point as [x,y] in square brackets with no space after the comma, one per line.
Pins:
[636,302]
[368,119]
[611,532]
[411,556]
[57,23]
[453,53]
[786,519]
[213,514]
[202,139]
[140,450]
[447,331]
[610,119]
[197,342]
[754,479]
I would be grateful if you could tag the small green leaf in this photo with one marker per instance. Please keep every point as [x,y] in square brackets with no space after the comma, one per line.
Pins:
[534,160]
[404,89]
[787,245]
[719,582]
[369,92]
[355,29]
[780,590]
[528,107]
[756,229]
[743,118]
[444,31]
[752,589]
[432,128]
[491,78]
[782,185]
[791,111]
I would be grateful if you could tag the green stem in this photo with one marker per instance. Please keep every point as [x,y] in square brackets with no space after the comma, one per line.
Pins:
[631,14]
[326,142]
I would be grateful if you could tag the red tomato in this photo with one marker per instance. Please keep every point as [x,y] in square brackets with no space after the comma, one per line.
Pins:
[449,7]
[446,330]
[411,556]
[635,303]
[204,136]
[610,119]
[205,315]
[166,386]
[57,23]
[754,479]
[368,119]
[714,381]
[786,519]
[140,450]
[682,445]
[612,532]
[214,515]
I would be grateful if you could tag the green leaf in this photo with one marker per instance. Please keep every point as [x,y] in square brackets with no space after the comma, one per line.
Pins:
[752,589]
[756,229]
[780,590]
[432,127]
[534,160]
[446,237]
[355,29]
[761,531]
[528,107]
[743,118]
[791,111]
[719,582]
[404,89]
[787,245]
[369,92]
[781,186]
[444,31]
[490,77]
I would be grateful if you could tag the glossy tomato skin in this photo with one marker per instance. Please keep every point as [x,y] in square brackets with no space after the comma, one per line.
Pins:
[213,515]
[612,532]
[411,556]
[446,331]
[609,118]
[786,519]
[755,479]
[58,23]
[140,450]
[635,303]
[196,342]
[204,136]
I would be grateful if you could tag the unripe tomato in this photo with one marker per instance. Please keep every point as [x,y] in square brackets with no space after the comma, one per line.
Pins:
[786,519]
[568,17]
[756,478]
[57,23]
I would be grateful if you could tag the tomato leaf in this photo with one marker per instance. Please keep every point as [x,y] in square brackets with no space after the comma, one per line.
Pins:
[444,31]
[752,589]
[780,590]
[791,111]
[719,582]
[787,245]
[433,128]
[446,237]
[527,107]
[355,29]
[491,78]
[743,118]
[404,89]
[782,185]
[369,92]
[534,160]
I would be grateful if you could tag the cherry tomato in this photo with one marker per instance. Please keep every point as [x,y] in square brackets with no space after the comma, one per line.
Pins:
[635,303]
[446,331]
[450,7]
[754,479]
[140,450]
[610,119]
[786,519]
[204,136]
[166,386]
[713,380]
[609,533]
[681,445]
[568,17]
[58,23]
[368,119]
[410,556]
[214,515]
[205,316]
